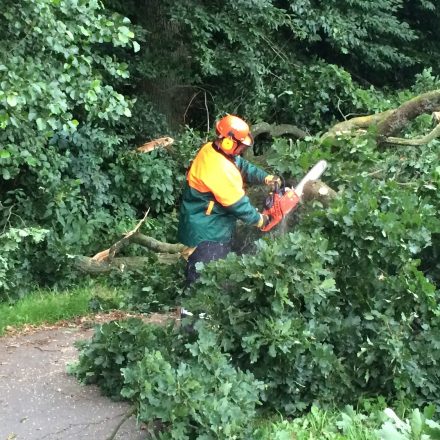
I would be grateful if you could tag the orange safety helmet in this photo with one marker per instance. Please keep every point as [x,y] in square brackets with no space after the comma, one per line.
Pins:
[233,135]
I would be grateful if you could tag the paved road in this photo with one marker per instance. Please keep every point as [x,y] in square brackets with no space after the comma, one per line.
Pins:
[40,401]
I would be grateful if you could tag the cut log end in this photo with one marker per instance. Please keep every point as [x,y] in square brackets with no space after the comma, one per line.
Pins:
[165,142]
[318,190]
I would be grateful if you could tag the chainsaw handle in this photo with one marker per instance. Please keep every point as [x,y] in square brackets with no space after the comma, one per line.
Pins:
[270,199]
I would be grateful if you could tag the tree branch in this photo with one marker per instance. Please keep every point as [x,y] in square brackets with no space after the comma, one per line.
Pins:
[426,103]
[277,130]
[156,245]
[89,265]
[165,142]
[354,124]
[111,252]
[423,140]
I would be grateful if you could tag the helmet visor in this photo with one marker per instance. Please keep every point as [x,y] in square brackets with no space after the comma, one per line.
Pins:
[242,146]
[248,141]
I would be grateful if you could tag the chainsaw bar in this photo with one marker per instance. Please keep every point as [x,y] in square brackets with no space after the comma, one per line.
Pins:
[284,201]
[314,174]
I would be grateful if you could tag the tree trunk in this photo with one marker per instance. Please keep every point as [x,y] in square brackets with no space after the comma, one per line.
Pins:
[166,90]
[426,103]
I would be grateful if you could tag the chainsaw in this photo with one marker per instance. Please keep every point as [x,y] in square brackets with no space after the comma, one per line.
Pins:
[284,200]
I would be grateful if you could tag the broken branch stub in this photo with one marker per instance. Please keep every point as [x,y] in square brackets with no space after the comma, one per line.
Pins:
[165,142]
[111,252]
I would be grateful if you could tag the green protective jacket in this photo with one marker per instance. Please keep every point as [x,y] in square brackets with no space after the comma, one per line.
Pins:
[214,198]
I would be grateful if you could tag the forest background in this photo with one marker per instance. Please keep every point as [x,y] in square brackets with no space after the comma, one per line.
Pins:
[83,83]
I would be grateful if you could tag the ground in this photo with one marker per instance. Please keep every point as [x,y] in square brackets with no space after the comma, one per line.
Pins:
[40,401]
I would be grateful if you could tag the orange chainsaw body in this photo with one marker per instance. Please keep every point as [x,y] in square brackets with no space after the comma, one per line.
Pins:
[284,200]
[278,205]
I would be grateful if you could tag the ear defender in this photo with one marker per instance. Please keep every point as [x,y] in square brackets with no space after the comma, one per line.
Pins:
[227,144]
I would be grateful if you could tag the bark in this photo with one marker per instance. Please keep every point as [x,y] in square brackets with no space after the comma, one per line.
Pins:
[105,261]
[356,124]
[426,103]
[156,245]
[122,264]
[392,122]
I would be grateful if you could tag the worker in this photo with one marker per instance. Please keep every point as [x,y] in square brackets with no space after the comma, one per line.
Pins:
[214,197]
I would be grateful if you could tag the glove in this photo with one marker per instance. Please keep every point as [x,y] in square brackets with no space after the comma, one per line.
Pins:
[272,181]
[264,221]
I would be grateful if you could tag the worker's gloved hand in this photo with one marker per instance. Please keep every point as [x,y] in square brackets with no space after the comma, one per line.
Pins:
[272,181]
[264,221]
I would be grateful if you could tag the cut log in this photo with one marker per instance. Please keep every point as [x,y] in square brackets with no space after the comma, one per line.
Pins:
[318,190]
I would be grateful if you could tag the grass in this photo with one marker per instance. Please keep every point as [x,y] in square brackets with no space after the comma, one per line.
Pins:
[47,307]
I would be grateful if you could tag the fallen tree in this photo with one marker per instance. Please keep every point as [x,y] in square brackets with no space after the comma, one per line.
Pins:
[388,124]
[105,261]
[165,253]
[393,122]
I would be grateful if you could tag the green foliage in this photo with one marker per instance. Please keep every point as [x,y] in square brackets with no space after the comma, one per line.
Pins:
[419,426]
[14,244]
[56,105]
[346,305]
[190,388]
[202,397]
[275,313]
[52,76]
[159,288]
[338,308]
[145,180]
[274,61]
[69,114]
[155,179]
[317,423]
[425,81]
[114,346]
[368,33]
[350,424]
[64,133]
[423,17]
[382,249]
